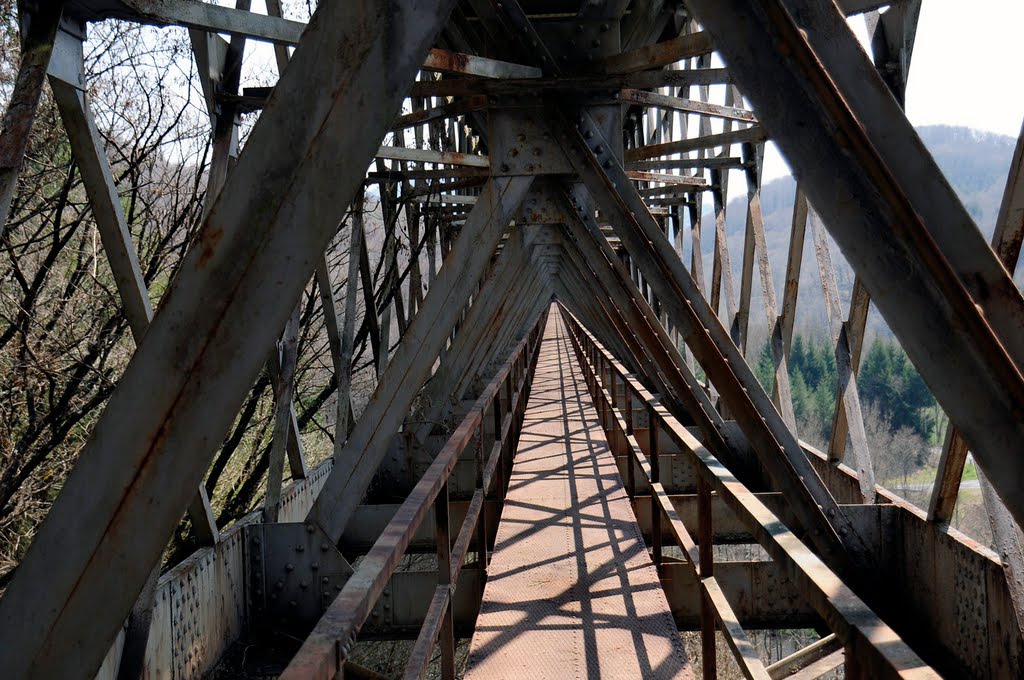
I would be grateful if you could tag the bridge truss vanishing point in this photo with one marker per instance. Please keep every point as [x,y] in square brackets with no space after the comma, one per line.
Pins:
[584,147]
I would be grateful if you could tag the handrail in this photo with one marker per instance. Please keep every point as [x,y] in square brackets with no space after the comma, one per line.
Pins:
[878,650]
[325,650]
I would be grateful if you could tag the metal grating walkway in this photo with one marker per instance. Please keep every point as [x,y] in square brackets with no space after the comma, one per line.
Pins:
[572,592]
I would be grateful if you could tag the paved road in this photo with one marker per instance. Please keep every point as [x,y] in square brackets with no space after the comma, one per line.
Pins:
[966,484]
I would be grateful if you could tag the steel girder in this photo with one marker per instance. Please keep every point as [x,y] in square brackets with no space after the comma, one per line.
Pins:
[236,287]
[581,268]
[776,445]
[423,341]
[938,284]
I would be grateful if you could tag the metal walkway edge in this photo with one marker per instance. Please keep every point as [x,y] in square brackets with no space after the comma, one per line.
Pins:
[572,591]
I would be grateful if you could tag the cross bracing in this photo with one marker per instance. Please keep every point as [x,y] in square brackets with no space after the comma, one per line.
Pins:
[535,152]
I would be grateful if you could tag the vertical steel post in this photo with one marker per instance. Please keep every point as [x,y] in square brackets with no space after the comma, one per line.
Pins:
[446,639]
[707,564]
[652,450]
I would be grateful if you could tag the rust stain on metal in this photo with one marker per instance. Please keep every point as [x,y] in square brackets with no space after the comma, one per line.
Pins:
[443,60]
[208,244]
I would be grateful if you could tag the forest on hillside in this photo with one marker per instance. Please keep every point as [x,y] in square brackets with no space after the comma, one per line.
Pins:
[974,162]
[902,419]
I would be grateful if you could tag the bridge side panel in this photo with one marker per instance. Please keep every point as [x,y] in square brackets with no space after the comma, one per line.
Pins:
[201,605]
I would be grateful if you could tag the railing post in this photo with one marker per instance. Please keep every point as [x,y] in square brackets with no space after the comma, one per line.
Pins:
[481,523]
[629,407]
[509,445]
[611,390]
[499,469]
[652,447]
[707,566]
[446,638]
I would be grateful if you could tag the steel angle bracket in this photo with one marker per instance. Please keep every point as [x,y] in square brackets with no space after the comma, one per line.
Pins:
[294,572]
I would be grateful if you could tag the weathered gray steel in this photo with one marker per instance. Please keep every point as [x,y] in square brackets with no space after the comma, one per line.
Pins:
[206,17]
[781,394]
[238,283]
[422,343]
[847,377]
[686,105]
[38,31]
[627,285]
[660,54]
[954,307]
[488,307]
[707,339]
[1006,242]
[444,61]
[752,134]
[877,645]
[67,81]
[284,355]
[437,157]
[327,647]
[892,47]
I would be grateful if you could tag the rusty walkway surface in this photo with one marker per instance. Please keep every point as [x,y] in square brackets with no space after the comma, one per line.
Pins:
[572,592]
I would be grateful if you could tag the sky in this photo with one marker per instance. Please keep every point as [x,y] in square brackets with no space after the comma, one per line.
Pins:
[966,65]
[964,71]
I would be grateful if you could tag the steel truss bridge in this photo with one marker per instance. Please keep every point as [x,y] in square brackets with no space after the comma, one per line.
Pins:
[566,159]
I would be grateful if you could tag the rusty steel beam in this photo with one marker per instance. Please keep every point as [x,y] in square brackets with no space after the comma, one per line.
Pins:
[444,61]
[206,17]
[776,446]
[674,180]
[236,287]
[937,283]
[414,357]
[657,55]
[655,99]
[39,30]
[328,645]
[752,135]
[465,87]
[396,153]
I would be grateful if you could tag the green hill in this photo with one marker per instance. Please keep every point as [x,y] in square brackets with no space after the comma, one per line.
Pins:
[976,164]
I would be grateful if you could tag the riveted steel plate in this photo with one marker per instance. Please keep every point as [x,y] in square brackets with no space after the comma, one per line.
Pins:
[295,571]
